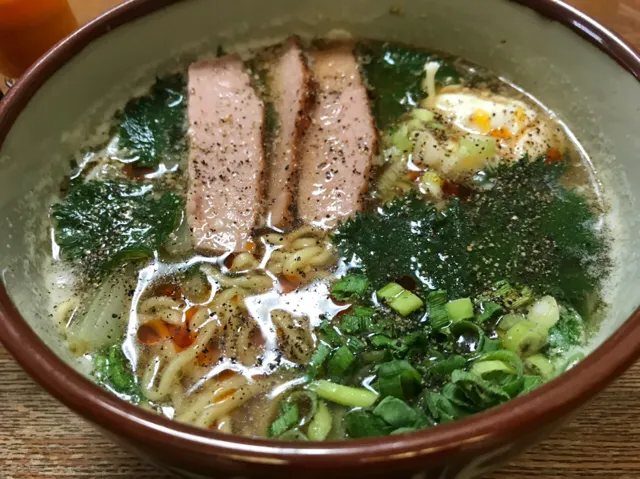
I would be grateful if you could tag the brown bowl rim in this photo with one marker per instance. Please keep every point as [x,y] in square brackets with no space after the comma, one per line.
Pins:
[548,404]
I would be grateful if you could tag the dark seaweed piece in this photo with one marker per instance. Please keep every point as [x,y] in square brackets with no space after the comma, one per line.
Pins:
[394,74]
[153,127]
[101,225]
[568,332]
[528,229]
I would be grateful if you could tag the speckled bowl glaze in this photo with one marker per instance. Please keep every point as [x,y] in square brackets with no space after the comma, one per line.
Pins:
[576,67]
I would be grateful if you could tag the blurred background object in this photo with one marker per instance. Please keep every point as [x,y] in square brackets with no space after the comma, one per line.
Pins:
[28,28]
[86,10]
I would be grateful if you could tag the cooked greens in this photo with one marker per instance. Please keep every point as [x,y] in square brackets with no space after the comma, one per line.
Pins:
[103,224]
[528,229]
[113,370]
[153,127]
[464,356]
[395,74]
[351,286]
[568,332]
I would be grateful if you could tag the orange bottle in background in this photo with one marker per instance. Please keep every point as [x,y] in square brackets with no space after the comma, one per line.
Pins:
[28,28]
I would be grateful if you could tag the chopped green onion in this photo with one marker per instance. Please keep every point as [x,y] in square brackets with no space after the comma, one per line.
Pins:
[305,401]
[423,421]
[572,361]
[390,291]
[344,395]
[396,412]
[481,393]
[500,368]
[401,140]
[482,368]
[511,297]
[320,426]
[539,365]
[524,298]
[356,344]
[399,299]
[491,345]
[438,315]
[502,288]
[488,309]
[414,125]
[406,303]
[381,341]
[477,147]
[440,408]
[525,338]
[318,358]
[289,417]
[373,356]
[330,334]
[508,321]
[399,379]
[358,321]
[459,309]
[544,312]
[423,114]
[340,362]
[531,383]
[359,423]
[512,360]
[444,367]
[468,336]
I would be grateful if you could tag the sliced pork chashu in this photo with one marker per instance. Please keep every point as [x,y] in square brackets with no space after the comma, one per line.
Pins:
[337,149]
[289,92]
[226,156]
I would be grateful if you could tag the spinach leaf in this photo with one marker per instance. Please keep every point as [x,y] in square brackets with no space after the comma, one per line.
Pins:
[105,224]
[153,127]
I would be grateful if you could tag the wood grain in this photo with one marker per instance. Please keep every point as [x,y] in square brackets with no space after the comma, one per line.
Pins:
[40,438]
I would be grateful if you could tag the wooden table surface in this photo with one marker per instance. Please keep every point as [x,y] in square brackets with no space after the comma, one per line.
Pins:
[40,438]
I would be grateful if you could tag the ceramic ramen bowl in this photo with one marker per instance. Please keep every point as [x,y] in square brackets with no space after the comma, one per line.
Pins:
[581,71]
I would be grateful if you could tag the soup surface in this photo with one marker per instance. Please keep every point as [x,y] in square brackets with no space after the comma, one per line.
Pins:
[325,240]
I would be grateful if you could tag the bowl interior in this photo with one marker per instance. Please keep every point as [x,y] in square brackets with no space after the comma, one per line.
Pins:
[589,91]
